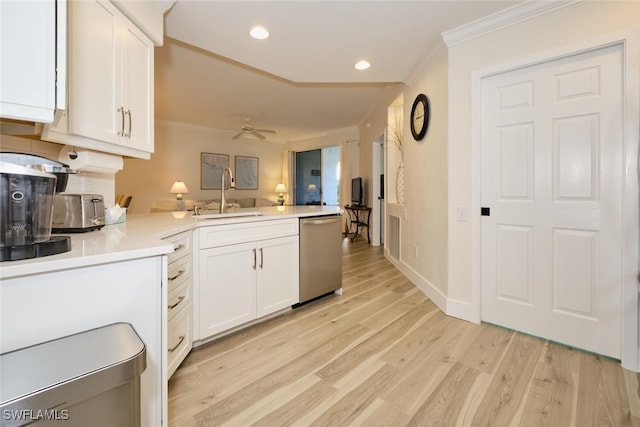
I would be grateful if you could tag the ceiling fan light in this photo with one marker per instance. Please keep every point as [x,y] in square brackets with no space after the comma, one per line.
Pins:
[362,65]
[259,33]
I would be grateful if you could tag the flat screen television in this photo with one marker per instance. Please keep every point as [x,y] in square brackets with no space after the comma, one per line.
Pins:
[356,192]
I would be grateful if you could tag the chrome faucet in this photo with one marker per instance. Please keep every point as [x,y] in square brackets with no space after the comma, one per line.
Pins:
[232,184]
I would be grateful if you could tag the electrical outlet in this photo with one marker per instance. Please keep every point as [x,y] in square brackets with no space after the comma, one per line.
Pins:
[462,214]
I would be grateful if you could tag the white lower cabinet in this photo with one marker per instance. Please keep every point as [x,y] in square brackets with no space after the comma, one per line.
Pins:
[47,306]
[179,301]
[241,282]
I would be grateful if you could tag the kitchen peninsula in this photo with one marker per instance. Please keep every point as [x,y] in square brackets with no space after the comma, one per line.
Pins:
[124,273]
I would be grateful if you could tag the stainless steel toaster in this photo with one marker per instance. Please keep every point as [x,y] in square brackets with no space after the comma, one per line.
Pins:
[77,213]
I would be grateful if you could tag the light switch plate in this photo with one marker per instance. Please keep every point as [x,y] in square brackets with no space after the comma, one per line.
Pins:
[462,214]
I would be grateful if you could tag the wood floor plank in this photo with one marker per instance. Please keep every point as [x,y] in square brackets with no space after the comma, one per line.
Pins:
[378,320]
[550,399]
[410,347]
[296,408]
[445,403]
[383,415]
[602,398]
[422,374]
[324,351]
[486,349]
[507,389]
[351,406]
[372,345]
[632,381]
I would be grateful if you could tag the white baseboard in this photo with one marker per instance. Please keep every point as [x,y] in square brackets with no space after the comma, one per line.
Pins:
[450,307]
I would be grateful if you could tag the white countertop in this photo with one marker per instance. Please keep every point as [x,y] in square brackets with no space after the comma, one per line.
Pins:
[141,237]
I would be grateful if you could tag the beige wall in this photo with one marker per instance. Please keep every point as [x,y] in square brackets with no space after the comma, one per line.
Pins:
[177,157]
[565,29]
[83,182]
[424,233]
[424,211]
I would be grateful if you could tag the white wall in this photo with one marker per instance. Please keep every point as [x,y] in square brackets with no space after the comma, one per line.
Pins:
[544,34]
[177,157]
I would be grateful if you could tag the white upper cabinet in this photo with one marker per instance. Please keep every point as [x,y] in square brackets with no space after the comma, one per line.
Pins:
[28,60]
[110,83]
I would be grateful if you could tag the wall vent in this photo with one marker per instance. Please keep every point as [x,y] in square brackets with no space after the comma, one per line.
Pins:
[393,237]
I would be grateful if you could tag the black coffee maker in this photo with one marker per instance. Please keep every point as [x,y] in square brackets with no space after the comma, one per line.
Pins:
[28,184]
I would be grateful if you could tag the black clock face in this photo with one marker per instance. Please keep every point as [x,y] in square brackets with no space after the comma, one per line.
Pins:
[420,114]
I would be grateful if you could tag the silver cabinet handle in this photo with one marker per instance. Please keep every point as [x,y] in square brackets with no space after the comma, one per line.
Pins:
[254,259]
[261,258]
[172,306]
[180,273]
[121,111]
[130,120]
[176,248]
[171,350]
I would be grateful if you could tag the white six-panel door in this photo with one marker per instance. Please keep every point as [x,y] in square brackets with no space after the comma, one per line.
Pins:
[552,176]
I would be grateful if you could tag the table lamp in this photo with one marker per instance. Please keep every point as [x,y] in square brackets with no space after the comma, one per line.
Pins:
[281,189]
[178,188]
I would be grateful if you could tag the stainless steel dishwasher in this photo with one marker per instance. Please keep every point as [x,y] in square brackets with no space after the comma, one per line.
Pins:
[320,256]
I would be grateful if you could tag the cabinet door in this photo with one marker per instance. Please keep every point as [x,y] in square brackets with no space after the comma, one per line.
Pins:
[137,88]
[94,64]
[227,280]
[277,281]
[28,66]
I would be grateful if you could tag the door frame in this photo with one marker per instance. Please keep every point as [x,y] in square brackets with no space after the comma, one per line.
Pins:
[630,41]
[377,211]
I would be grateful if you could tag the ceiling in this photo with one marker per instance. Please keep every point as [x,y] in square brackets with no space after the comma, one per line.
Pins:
[301,81]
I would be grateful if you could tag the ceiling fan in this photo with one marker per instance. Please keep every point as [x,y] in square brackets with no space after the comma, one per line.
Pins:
[248,129]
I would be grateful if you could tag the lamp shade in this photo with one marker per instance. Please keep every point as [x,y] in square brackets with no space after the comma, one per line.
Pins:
[280,188]
[178,187]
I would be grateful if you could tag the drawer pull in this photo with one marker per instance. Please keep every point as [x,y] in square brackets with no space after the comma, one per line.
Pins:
[261,258]
[180,273]
[254,259]
[176,248]
[130,120]
[171,307]
[121,111]
[171,350]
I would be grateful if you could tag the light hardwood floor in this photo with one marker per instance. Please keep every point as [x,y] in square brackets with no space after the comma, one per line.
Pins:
[384,355]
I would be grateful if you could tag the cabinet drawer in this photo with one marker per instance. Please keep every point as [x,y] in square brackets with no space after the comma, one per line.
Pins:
[223,235]
[179,339]
[181,246]
[178,272]
[178,299]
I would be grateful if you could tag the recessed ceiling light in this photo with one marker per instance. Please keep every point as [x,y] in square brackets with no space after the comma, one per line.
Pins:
[362,65]
[259,33]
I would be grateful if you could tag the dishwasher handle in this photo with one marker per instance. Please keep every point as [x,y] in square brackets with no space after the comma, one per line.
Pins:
[317,221]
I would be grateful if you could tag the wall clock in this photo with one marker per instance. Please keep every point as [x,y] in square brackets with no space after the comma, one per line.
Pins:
[420,115]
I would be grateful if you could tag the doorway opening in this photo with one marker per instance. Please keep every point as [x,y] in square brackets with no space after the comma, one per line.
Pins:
[317,175]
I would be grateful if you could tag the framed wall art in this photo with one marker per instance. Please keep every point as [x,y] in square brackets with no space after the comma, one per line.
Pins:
[211,167]
[246,173]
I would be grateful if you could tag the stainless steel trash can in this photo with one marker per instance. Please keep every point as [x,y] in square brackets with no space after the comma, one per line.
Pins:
[87,379]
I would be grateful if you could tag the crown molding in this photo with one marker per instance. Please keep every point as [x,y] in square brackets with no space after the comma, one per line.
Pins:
[513,15]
